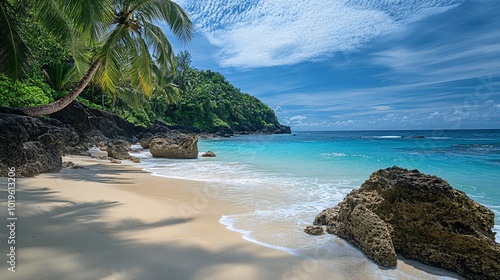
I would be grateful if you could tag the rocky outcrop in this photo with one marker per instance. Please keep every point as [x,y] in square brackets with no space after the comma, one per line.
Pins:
[159,129]
[420,217]
[145,140]
[223,131]
[314,230]
[67,164]
[209,154]
[95,125]
[176,146]
[282,129]
[134,159]
[118,149]
[33,145]
[184,129]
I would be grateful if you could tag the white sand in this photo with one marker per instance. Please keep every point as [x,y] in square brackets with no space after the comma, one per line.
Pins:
[117,222]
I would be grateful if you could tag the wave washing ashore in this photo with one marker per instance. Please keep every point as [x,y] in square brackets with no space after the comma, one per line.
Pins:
[286,180]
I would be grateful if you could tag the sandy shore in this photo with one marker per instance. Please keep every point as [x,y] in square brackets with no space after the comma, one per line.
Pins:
[116,222]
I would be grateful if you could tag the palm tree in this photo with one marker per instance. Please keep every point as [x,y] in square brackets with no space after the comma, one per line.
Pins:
[120,35]
[14,53]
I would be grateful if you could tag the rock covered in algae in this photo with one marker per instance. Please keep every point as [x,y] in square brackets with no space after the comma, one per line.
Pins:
[421,217]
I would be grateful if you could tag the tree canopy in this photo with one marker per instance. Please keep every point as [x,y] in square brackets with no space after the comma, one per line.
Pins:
[119,41]
[119,50]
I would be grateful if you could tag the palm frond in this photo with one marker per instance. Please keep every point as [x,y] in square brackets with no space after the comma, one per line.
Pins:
[90,18]
[170,12]
[14,53]
[141,71]
[52,16]
[132,97]
[81,54]
[160,45]
[113,58]
[172,93]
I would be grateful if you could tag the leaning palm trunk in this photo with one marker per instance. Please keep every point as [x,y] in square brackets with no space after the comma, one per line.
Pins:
[65,100]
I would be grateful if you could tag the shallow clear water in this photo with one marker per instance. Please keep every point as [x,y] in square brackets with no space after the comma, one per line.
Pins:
[287,179]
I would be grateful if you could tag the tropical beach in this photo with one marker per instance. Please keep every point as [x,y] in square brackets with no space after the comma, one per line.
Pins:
[108,221]
[153,139]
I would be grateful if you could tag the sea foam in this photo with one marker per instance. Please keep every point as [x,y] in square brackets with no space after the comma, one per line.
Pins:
[285,181]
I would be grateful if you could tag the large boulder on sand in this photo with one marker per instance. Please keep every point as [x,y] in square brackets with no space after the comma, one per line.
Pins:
[33,145]
[118,149]
[145,140]
[420,217]
[177,146]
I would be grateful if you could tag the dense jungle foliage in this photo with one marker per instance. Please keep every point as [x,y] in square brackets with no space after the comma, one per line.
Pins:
[183,96]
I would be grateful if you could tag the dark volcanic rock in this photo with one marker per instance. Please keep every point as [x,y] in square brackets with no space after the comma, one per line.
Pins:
[282,129]
[118,149]
[95,125]
[179,146]
[157,128]
[420,217]
[145,140]
[223,131]
[186,129]
[33,145]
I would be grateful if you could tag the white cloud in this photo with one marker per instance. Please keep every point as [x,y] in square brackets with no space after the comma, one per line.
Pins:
[448,62]
[261,33]
[434,114]
[297,118]
[382,108]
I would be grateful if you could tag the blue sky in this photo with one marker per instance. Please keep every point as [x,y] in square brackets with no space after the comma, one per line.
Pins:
[357,64]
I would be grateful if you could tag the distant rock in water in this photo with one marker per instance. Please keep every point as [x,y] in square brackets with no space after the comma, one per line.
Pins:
[418,136]
[208,154]
[176,146]
[420,217]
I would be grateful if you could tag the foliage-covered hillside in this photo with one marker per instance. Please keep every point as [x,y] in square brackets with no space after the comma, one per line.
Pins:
[209,101]
[185,96]
[198,98]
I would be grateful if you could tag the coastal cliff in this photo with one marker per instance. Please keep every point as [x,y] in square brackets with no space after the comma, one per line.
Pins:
[421,217]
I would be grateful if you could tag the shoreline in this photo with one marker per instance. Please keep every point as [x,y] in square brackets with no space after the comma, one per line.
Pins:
[119,222]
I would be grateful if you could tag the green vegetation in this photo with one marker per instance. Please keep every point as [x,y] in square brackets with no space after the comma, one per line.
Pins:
[129,69]
[31,92]
[117,43]
[209,101]
[192,97]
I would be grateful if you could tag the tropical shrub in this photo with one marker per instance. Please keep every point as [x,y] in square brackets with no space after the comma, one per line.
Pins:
[24,94]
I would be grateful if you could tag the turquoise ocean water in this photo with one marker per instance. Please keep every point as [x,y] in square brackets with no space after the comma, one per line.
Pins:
[285,180]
